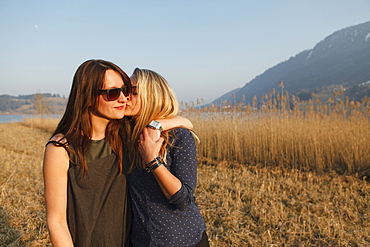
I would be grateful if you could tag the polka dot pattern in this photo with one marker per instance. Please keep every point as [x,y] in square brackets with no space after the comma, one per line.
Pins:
[158,221]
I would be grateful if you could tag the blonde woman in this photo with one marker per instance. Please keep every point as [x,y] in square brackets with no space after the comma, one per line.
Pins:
[163,171]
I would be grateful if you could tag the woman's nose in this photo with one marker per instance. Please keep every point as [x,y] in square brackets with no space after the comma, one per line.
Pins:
[123,98]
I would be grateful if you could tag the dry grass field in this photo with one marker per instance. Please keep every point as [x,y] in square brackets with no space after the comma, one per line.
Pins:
[265,178]
[22,213]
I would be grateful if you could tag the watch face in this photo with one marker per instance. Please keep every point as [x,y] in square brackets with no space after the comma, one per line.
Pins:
[156,125]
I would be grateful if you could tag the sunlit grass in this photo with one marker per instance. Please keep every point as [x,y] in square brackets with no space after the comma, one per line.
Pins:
[268,174]
[321,143]
[300,135]
[45,124]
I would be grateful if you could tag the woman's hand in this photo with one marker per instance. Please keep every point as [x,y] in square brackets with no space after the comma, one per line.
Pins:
[149,150]
[148,147]
[154,134]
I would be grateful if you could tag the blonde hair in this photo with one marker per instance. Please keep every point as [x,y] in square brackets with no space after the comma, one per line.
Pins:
[158,100]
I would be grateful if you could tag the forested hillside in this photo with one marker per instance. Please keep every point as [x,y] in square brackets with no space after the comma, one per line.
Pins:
[32,104]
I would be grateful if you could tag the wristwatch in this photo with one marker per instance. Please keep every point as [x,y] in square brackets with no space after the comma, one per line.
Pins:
[155,125]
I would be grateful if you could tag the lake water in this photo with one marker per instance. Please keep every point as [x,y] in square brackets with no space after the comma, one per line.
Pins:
[19,117]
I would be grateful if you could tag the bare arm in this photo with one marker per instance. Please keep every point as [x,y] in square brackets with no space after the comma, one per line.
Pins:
[170,123]
[176,121]
[149,149]
[55,170]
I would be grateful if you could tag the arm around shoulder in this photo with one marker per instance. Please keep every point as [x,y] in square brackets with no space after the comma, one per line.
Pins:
[175,122]
[55,170]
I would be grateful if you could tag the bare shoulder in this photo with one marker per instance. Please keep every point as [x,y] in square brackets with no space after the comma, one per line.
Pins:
[58,139]
[56,151]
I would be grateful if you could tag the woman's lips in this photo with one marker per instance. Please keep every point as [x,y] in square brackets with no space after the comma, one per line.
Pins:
[120,107]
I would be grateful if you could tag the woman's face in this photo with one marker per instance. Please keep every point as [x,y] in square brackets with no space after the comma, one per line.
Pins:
[114,109]
[133,105]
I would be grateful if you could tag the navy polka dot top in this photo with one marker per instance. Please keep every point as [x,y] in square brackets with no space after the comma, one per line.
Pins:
[158,221]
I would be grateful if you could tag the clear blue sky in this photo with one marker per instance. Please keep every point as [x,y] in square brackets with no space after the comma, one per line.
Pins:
[204,48]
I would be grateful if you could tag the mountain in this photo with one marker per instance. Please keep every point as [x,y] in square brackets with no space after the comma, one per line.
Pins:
[341,59]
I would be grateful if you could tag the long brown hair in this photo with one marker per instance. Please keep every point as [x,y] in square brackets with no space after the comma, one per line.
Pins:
[76,124]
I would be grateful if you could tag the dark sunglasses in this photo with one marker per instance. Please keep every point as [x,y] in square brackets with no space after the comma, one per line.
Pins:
[134,90]
[114,93]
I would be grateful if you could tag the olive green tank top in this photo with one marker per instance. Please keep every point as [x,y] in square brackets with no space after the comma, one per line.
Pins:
[98,208]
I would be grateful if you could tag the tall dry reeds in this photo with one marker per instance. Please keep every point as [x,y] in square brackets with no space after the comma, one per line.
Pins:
[302,135]
[46,124]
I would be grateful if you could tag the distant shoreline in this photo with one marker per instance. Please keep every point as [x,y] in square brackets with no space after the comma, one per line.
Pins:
[13,118]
